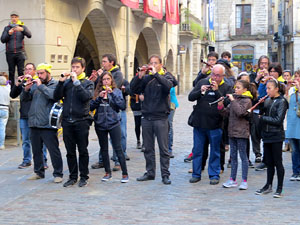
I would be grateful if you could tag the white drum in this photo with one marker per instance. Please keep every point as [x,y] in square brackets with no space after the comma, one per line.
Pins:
[55,116]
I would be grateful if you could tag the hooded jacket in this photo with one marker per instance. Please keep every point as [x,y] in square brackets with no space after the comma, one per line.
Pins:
[15,42]
[42,101]
[107,111]
[238,126]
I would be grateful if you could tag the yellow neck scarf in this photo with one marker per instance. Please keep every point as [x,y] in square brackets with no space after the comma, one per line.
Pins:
[161,72]
[115,67]
[248,94]
[280,79]
[222,82]
[81,76]
[20,23]
[104,87]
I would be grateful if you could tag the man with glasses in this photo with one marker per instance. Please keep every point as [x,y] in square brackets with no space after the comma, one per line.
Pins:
[16,90]
[207,122]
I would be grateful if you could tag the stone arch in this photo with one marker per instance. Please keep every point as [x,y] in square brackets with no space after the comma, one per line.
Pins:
[170,61]
[95,38]
[147,44]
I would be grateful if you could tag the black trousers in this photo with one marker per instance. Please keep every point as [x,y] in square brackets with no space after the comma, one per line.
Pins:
[273,158]
[138,124]
[38,136]
[77,134]
[160,129]
[115,135]
[13,60]
[255,130]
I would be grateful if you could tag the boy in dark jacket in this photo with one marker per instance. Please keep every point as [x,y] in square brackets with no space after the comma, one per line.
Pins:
[13,37]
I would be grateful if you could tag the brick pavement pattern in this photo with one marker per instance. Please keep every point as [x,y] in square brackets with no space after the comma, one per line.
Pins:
[151,202]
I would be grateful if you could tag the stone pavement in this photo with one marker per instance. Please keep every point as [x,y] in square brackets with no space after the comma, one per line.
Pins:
[43,202]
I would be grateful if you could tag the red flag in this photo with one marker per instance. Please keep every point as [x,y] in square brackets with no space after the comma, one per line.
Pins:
[131,3]
[172,12]
[153,8]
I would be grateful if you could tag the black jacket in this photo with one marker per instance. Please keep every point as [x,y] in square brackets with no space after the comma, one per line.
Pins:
[273,114]
[156,90]
[118,77]
[107,111]
[206,116]
[15,42]
[76,99]
[24,103]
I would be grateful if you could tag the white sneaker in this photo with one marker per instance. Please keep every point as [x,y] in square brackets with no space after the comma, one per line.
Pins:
[243,186]
[230,183]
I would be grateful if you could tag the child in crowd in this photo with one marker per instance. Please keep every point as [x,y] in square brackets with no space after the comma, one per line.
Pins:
[238,130]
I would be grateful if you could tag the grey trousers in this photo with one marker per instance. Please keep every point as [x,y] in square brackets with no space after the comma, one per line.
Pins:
[150,129]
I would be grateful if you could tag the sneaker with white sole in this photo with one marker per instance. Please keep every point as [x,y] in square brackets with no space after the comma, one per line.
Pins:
[125,179]
[57,180]
[106,177]
[230,183]
[244,185]
[294,177]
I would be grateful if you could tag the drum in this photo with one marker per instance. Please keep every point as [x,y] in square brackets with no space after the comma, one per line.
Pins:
[55,116]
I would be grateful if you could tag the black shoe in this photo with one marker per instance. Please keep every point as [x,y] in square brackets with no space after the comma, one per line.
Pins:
[138,145]
[145,177]
[166,180]
[261,167]
[251,164]
[189,158]
[70,182]
[214,181]
[127,157]
[143,149]
[24,165]
[97,165]
[195,179]
[171,155]
[258,159]
[277,194]
[82,182]
[265,190]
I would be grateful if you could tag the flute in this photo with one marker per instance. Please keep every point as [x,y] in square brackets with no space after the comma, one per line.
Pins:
[260,101]
[206,63]
[220,99]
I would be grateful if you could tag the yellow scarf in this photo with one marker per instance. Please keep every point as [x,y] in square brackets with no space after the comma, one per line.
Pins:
[248,94]
[280,79]
[20,23]
[104,87]
[81,76]
[161,72]
[222,82]
[115,67]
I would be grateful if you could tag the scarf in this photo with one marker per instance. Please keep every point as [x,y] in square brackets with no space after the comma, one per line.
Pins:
[222,82]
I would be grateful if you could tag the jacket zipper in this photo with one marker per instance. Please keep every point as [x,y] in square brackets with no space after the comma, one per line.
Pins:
[270,113]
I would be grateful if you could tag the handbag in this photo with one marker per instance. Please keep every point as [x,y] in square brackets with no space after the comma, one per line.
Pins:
[191,117]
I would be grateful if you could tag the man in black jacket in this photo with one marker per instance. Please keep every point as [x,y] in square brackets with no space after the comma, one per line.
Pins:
[13,37]
[155,110]
[207,122]
[77,91]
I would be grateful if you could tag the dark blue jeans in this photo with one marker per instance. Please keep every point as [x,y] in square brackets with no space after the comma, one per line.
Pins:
[214,136]
[295,143]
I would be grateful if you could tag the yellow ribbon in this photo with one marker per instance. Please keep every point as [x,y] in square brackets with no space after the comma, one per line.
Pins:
[161,72]
[81,76]
[222,82]
[115,67]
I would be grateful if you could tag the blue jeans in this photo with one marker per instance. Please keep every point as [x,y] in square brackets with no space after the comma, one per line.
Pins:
[215,137]
[170,119]
[295,143]
[3,121]
[26,144]
[123,135]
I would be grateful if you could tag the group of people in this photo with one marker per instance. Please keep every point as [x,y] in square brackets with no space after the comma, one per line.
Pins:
[223,115]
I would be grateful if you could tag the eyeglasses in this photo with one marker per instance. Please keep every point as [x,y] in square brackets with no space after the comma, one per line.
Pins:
[216,75]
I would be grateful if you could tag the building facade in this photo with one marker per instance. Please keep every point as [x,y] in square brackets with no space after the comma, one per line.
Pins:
[241,27]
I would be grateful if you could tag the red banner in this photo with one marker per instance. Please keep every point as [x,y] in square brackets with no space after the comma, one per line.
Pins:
[131,3]
[172,12]
[154,8]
